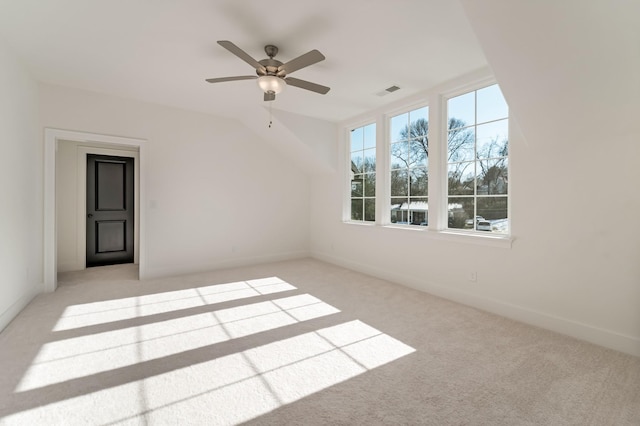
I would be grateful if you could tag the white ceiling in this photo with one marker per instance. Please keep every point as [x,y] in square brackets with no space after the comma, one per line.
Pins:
[161,51]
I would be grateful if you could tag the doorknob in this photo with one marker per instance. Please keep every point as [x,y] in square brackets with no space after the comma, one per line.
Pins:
[89,215]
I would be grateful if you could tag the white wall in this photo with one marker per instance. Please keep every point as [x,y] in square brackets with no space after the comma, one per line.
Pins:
[571,73]
[20,188]
[574,265]
[216,194]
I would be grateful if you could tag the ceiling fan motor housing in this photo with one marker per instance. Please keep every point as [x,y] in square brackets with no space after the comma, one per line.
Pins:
[270,67]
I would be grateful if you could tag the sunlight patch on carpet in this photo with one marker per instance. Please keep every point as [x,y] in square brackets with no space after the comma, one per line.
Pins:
[88,314]
[92,354]
[237,387]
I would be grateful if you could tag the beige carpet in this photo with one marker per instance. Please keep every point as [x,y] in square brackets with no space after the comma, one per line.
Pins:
[293,343]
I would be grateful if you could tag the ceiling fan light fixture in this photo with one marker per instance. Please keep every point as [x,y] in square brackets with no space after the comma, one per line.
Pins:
[271,83]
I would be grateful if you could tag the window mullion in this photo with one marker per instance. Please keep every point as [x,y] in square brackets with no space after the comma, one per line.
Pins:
[383,181]
[437,165]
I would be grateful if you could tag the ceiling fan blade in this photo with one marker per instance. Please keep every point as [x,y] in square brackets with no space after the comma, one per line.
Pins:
[240,77]
[303,84]
[305,60]
[269,96]
[241,54]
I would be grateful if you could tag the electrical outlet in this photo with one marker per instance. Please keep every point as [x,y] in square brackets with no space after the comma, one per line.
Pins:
[473,276]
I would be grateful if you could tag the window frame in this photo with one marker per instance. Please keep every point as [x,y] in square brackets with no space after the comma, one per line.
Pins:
[444,98]
[387,142]
[436,101]
[347,130]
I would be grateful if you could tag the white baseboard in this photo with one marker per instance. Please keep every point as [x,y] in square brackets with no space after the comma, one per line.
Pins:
[184,269]
[589,333]
[10,313]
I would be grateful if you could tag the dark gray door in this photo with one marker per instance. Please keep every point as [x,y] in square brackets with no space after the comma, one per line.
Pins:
[110,196]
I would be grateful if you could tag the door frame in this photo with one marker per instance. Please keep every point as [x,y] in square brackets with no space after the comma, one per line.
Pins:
[51,138]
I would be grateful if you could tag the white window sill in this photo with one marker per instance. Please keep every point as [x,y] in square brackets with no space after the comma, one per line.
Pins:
[359,223]
[406,227]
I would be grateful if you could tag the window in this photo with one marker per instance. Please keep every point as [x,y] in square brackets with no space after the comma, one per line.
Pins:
[461,190]
[477,161]
[409,152]
[363,173]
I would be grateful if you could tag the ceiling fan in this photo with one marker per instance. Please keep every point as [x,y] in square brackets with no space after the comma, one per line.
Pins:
[272,75]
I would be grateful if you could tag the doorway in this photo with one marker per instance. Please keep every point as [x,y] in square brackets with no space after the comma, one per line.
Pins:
[102,144]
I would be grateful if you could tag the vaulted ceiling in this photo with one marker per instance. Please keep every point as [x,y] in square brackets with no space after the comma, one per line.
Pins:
[568,68]
[161,51]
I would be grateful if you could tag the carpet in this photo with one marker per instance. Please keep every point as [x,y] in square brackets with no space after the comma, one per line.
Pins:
[293,343]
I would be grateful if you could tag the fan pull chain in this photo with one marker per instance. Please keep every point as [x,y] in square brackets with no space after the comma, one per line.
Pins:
[270,114]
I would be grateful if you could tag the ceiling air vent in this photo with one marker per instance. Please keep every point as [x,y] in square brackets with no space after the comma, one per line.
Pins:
[388,90]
